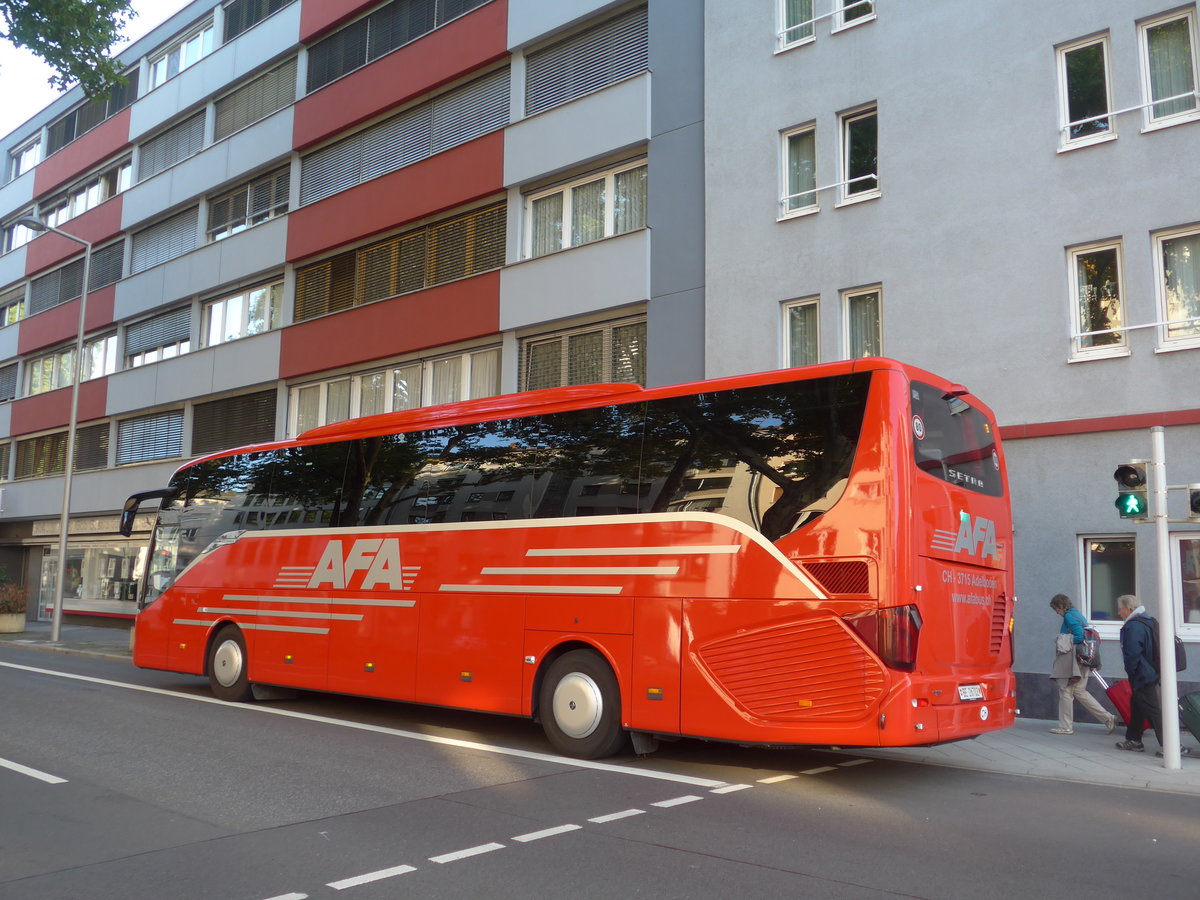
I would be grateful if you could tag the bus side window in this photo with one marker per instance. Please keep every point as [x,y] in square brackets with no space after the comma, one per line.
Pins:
[593,462]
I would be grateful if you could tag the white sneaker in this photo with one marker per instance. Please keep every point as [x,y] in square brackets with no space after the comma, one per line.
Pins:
[1062,731]
[1110,724]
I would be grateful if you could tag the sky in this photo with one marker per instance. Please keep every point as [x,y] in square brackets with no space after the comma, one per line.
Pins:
[23,77]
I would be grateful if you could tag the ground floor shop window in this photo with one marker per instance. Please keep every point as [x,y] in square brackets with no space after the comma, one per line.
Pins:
[1109,570]
[100,578]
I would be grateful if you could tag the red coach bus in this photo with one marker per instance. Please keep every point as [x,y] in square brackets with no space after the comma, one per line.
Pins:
[817,556]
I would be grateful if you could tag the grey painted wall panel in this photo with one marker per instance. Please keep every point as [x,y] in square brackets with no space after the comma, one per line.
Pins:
[530,20]
[213,265]
[220,69]
[675,334]
[603,275]
[218,164]
[591,127]
[12,266]
[18,193]
[250,361]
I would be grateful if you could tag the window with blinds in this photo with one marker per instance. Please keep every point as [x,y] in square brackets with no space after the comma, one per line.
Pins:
[161,337]
[57,287]
[232,422]
[249,204]
[256,99]
[434,254]
[84,118]
[613,351]
[461,115]
[164,241]
[172,146]
[156,436]
[107,263]
[242,15]
[44,455]
[384,30]
[5,456]
[8,382]
[587,62]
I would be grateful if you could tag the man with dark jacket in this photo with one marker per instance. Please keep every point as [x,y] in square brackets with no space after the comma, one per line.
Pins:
[1139,640]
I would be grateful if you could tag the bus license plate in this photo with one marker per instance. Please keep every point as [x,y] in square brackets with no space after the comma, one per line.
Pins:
[970,692]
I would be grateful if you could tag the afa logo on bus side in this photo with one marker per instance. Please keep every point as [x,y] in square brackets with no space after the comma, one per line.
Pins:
[377,558]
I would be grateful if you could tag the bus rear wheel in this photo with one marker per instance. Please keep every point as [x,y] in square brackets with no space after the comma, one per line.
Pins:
[228,673]
[580,706]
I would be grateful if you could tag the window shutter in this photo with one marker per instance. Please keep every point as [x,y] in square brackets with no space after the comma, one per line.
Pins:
[452,9]
[398,23]
[57,287]
[255,100]
[330,170]
[233,422]
[91,447]
[269,194]
[173,145]
[60,133]
[340,53]
[167,240]
[167,328]
[242,15]
[41,455]
[586,62]
[107,263]
[8,382]
[157,436]
[396,143]
[471,111]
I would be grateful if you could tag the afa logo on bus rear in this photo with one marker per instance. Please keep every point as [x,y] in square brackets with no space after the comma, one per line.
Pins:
[976,536]
[367,564]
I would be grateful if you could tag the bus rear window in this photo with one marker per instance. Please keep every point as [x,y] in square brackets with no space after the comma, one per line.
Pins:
[953,441]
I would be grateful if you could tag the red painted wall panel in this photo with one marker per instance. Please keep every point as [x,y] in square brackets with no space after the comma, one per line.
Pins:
[317,16]
[53,409]
[449,52]
[465,173]
[109,137]
[95,225]
[54,326]
[450,312]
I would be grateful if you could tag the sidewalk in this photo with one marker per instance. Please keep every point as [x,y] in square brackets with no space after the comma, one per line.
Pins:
[1028,748]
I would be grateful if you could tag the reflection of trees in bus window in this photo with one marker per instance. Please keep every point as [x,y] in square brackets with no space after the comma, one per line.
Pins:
[594,455]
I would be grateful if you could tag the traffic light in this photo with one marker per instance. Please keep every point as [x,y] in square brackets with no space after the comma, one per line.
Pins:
[1132,500]
[1194,502]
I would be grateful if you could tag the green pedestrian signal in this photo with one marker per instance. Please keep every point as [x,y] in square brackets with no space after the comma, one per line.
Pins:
[1132,500]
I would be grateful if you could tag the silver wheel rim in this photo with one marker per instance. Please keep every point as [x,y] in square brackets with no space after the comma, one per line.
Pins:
[578,705]
[227,663]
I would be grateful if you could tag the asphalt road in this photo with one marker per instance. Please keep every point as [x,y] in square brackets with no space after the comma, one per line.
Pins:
[118,783]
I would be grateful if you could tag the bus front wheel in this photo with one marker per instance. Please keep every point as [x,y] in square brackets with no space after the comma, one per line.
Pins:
[228,674]
[580,706]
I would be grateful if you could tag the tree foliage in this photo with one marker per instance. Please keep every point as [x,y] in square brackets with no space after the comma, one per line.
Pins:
[72,36]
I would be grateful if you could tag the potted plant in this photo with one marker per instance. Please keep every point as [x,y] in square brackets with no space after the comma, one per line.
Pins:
[12,608]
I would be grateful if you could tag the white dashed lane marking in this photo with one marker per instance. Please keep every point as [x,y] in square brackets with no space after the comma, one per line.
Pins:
[545,833]
[466,854]
[370,877]
[775,779]
[612,817]
[677,801]
[855,762]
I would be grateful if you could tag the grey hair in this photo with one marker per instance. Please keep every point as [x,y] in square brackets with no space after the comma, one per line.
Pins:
[1128,601]
[1060,603]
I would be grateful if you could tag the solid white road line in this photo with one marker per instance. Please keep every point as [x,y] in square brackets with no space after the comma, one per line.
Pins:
[465,854]
[623,814]
[358,880]
[380,729]
[545,833]
[32,773]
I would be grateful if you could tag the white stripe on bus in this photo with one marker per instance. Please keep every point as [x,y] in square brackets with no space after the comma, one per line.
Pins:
[682,550]
[532,588]
[329,601]
[280,613]
[255,626]
[579,570]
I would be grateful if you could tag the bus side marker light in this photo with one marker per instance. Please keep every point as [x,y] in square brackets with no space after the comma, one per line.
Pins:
[919,726]
[183,646]
[920,702]
[654,693]
[289,659]
[369,667]
[804,704]
[464,676]
[530,660]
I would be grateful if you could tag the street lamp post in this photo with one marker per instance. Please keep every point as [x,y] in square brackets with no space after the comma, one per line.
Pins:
[35,224]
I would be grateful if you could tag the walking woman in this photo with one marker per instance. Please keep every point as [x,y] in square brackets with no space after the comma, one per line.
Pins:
[1072,678]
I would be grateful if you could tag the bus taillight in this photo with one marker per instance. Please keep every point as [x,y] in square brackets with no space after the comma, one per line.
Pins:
[892,633]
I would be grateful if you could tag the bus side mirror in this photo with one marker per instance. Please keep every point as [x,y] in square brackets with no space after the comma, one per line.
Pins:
[130,510]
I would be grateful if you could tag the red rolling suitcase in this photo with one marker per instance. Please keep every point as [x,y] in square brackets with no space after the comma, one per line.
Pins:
[1120,694]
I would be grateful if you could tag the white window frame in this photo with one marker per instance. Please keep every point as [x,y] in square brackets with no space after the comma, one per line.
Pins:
[815,303]
[840,23]
[1107,351]
[606,329]
[158,68]
[1165,341]
[219,307]
[1150,121]
[62,363]
[837,14]
[88,193]
[786,211]
[354,381]
[848,297]
[566,190]
[12,310]
[17,235]
[1108,628]
[1181,593]
[1066,142]
[846,121]
[24,157]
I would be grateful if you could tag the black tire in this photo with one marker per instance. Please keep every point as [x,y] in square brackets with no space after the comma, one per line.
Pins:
[580,706]
[228,668]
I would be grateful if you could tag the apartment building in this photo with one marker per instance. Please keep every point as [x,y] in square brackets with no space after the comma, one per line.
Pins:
[1001,193]
[300,212]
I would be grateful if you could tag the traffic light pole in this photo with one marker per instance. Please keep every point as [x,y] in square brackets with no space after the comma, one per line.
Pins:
[1168,681]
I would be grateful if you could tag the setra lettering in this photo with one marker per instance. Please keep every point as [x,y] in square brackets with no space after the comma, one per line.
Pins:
[378,558]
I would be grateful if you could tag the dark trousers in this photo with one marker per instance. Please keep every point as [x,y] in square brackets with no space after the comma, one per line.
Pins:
[1143,705]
